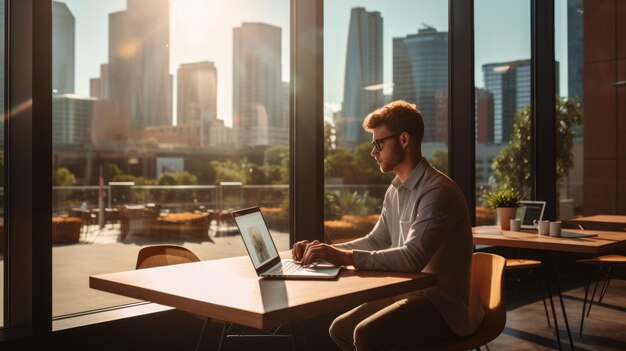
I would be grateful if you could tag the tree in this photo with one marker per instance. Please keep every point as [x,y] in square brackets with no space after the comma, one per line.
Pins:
[512,165]
[440,160]
[63,177]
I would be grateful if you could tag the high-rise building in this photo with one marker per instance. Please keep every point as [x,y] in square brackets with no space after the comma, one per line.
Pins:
[99,87]
[196,92]
[510,84]
[71,119]
[484,116]
[362,89]
[138,75]
[257,85]
[575,49]
[420,74]
[63,50]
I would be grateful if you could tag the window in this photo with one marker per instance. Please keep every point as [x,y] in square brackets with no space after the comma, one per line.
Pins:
[376,52]
[167,115]
[502,100]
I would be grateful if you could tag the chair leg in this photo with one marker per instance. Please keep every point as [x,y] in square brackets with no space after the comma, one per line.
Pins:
[205,326]
[595,289]
[545,307]
[606,284]
[582,317]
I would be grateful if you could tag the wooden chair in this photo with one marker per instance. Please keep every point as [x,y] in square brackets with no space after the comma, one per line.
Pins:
[164,255]
[487,283]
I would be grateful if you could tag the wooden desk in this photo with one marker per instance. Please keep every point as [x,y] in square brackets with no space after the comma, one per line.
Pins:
[229,290]
[601,222]
[603,242]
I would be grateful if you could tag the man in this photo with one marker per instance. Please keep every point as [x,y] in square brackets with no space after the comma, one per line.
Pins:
[424,227]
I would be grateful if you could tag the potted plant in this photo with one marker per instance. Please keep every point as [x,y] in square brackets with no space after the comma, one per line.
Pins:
[506,202]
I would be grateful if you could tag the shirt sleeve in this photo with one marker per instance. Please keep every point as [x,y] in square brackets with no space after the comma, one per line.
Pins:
[436,217]
[377,239]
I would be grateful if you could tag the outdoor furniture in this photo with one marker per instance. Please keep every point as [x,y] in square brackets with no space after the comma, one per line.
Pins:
[66,230]
[146,221]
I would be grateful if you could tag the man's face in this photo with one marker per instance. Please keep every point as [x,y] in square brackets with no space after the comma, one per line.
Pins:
[391,152]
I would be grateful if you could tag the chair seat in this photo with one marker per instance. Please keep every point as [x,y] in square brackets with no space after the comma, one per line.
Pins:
[617,260]
[520,263]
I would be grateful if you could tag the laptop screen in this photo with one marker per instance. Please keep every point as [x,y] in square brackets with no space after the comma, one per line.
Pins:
[529,211]
[256,237]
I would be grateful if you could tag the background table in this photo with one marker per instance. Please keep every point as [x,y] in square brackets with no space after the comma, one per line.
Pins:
[600,222]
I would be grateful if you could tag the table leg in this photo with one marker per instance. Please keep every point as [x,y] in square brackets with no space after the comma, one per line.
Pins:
[555,278]
[549,291]
[206,329]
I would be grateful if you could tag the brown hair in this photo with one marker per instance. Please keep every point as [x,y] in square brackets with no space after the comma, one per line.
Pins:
[398,116]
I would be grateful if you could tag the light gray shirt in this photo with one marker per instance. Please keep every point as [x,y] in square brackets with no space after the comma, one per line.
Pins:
[425,227]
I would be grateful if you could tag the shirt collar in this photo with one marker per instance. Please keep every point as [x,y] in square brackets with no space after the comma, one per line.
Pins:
[414,177]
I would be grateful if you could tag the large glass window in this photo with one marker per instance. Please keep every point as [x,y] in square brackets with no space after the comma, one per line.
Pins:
[167,115]
[569,108]
[503,97]
[376,52]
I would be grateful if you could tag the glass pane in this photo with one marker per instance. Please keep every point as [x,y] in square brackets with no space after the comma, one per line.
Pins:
[569,138]
[167,115]
[376,52]
[502,75]
[3,237]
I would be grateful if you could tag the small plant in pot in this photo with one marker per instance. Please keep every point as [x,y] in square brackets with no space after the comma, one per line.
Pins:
[506,202]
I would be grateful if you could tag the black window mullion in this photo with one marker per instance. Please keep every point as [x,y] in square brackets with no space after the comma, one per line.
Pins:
[461,100]
[543,91]
[307,121]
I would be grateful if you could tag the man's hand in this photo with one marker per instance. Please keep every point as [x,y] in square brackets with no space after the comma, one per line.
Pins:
[316,251]
[298,248]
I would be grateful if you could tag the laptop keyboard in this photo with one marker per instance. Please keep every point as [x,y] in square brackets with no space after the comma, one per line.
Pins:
[287,267]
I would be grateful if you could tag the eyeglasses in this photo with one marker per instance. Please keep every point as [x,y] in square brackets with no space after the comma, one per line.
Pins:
[378,143]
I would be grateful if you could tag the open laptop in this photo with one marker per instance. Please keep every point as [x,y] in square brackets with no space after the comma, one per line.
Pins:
[264,255]
[530,211]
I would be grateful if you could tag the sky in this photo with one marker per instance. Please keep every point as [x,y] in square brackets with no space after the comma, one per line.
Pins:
[201,30]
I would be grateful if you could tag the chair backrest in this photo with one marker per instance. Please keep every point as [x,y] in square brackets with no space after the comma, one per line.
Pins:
[164,255]
[488,284]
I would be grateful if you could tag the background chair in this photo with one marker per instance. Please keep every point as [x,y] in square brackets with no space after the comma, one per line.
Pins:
[164,255]
[605,266]
[487,283]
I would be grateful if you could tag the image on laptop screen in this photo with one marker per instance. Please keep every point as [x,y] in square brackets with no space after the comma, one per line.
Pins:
[257,238]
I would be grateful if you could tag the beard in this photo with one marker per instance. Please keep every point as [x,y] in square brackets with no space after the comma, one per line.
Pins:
[392,159]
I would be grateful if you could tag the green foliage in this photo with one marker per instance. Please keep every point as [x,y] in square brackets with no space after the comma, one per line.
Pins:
[512,165]
[440,160]
[345,202]
[177,178]
[63,177]
[503,198]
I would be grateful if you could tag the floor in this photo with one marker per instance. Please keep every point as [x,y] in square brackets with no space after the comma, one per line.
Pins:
[527,328]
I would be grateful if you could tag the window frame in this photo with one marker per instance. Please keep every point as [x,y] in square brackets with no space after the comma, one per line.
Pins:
[28,54]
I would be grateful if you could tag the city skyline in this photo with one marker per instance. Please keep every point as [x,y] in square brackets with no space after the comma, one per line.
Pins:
[198,37]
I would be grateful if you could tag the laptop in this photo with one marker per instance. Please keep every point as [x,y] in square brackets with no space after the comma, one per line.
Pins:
[530,211]
[264,255]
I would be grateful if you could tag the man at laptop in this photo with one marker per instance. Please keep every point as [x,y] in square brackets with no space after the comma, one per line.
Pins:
[424,227]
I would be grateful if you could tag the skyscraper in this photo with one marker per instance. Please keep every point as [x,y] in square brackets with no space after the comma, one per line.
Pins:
[510,84]
[484,116]
[197,92]
[420,75]
[362,90]
[575,49]
[257,85]
[63,50]
[138,75]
